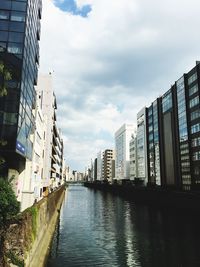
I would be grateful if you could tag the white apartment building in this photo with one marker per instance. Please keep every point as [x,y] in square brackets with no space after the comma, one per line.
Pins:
[142,146]
[133,157]
[100,165]
[56,158]
[53,154]
[32,177]
[108,157]
[45,89]
[122,162]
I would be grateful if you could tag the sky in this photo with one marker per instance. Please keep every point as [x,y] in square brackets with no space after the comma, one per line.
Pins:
[109,59]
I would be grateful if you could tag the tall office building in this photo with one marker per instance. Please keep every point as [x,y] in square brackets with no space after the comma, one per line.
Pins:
[19,53]
[100,165]
[122,162]
[141,161]
[173,134]
[133,157]
[95,169]
[153,140]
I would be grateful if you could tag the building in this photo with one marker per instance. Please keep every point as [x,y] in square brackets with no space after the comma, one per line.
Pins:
[100,165]
[95,169]
[141,161]
[133,156]
[33,175]
[122,162]
[49,106]
[153,142]
[108,156]
[173,134]
[113,170]
[19,52]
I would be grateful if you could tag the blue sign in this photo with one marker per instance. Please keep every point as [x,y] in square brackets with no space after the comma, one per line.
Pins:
[20,147]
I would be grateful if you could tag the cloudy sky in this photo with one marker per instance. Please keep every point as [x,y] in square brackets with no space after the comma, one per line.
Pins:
[110,58]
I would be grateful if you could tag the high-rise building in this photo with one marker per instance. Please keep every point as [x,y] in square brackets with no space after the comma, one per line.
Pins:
[100,165]
[19,53]
[109,155]
[154,144]
[95,169]
[53,153]
[122,162]
[173,134]
[133,156]
[141,161]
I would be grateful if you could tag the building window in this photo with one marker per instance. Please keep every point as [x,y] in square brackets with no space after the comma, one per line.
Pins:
[194,101]
[2,46]
[167,102]
[192,78]
[197,170]
[196,142]
[195,115]
[195,128]
[17,16]
[196,156]
[10,118]
[193,89]
[15,48]
[4,14]
[37,158]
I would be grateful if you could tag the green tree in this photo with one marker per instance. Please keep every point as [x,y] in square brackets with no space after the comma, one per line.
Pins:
[9,207]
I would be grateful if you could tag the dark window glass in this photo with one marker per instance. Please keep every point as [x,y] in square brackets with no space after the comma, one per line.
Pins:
[18,6]
[3,36]
[4,14]
[17,26]
[15,48]
[5,4]
[4,25]
[16,37]
[2,46]
[17,16]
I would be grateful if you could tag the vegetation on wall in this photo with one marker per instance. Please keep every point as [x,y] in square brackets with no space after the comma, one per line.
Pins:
[9,206]
[34,213]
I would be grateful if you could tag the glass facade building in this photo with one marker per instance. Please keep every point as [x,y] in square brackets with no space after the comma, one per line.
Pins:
[153,141]
[141,166]
[173,135]
[185,170]
[19,53]
[192,81]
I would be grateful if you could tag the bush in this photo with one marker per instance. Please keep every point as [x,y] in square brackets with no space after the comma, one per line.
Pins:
[9,206]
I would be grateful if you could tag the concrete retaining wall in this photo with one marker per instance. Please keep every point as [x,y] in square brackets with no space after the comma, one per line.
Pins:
[29,236]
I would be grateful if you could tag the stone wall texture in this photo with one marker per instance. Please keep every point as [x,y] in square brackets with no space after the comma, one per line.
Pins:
[29,236]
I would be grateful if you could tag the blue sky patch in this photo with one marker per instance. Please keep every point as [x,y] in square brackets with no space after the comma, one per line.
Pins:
[71,7]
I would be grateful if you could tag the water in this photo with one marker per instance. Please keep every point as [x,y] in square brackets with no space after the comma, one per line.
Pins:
[99,229]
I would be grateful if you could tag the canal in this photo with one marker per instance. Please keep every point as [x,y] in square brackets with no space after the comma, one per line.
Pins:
[100,229]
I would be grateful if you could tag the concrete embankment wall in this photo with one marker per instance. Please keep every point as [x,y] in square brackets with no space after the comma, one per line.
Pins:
[29,236]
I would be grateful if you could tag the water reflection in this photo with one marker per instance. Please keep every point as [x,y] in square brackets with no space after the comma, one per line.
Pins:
[99,229]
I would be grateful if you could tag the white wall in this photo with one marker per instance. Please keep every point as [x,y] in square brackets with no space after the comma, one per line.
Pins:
[142,146]
[122,163]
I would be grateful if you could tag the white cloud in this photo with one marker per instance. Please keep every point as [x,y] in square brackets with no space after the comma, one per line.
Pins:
[107,66]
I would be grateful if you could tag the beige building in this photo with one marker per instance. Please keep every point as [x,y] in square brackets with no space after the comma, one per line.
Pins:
[108,157]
